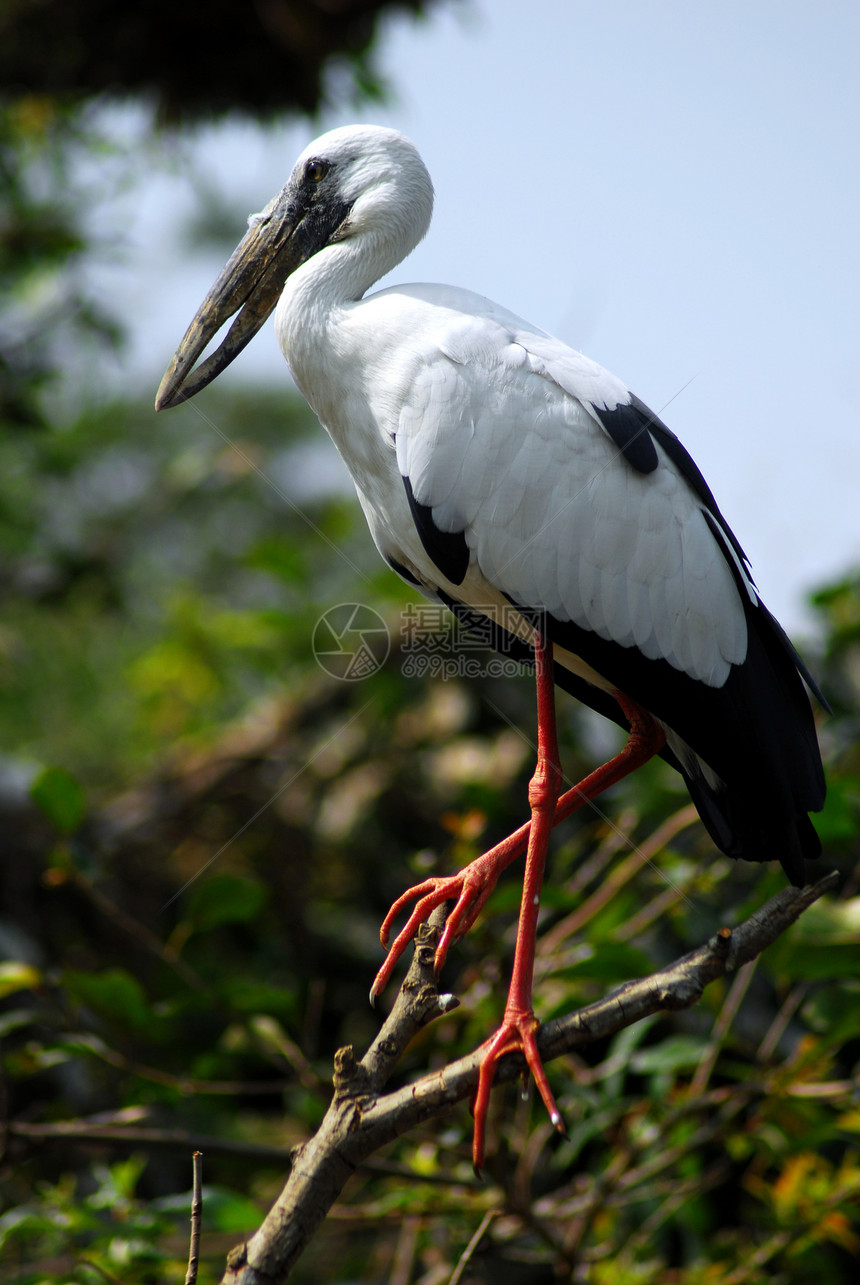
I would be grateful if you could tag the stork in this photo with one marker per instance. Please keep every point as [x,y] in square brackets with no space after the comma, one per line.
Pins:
[518,482]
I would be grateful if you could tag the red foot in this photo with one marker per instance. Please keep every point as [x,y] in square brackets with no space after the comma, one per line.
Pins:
[472,886]
[469,889]
[515,1035]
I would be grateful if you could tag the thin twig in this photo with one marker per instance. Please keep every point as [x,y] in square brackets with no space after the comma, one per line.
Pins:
[101,1271]
[119,1136]
[196,1219]
[721,1027]
[641,855]
[405,1251]
[131,927]
[115,1135]
[794,999]
[488,1219]
[86,1042]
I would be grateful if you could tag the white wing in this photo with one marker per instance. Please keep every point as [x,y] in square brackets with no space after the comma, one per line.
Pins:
[497,435]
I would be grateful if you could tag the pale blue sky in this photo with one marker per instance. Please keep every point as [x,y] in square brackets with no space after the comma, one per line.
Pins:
[672,188]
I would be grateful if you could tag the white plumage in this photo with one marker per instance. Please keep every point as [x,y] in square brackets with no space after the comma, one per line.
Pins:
[489,419]
[458,419]
[515,479]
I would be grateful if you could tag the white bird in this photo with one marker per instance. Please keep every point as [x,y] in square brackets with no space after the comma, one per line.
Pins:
[517,481]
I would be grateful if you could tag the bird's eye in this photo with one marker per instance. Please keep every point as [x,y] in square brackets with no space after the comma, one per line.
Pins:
[316,170]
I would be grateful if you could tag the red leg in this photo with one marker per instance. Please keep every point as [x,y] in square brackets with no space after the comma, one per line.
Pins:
[519,1024]
[470,888]
[473,885]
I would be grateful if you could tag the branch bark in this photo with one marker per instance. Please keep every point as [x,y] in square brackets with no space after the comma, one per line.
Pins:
[196,1219]
[360,1120]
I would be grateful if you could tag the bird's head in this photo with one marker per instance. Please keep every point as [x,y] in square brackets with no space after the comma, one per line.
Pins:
[361,183]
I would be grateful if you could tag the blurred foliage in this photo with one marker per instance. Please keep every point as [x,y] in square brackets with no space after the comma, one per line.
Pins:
[48,319]
[202,831]
[258,59]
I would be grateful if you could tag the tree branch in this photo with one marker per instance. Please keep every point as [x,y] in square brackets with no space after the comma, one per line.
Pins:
[359,1120]
[196,1219]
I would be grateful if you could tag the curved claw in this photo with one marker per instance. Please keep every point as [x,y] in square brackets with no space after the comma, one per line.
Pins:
[469,890]
[469,905]
[421,893]
[515,1035]
[439,890]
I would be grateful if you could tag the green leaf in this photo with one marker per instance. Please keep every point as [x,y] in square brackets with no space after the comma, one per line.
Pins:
[621,1048]
[248,995]
[833,1012]
[673,1054]
[831,921]
[282,558]
[824,943]
[595,1123]
[24,1225]
[117,1183]
[225,1211]
[15,1018]
[15,975]
[806,961]
[225,899]
[608,961]
[839,819]
[60,796]
[114,994]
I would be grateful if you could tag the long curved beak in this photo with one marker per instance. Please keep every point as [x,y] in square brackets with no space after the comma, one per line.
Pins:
[250,284]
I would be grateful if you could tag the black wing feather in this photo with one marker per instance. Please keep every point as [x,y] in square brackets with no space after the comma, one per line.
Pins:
[448,549]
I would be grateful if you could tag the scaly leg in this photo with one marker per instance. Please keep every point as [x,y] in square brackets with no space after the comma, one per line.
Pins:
[473,885]
[519,1024]
[470,888]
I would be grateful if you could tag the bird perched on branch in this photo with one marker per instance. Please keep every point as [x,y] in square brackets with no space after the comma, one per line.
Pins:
[518,482]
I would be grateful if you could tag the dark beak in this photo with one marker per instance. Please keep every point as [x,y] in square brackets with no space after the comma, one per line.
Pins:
[251,282]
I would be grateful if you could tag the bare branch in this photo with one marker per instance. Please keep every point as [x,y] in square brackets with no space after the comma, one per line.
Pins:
[196,1219]
[87,1133]
[359,1120]
[488,1219]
